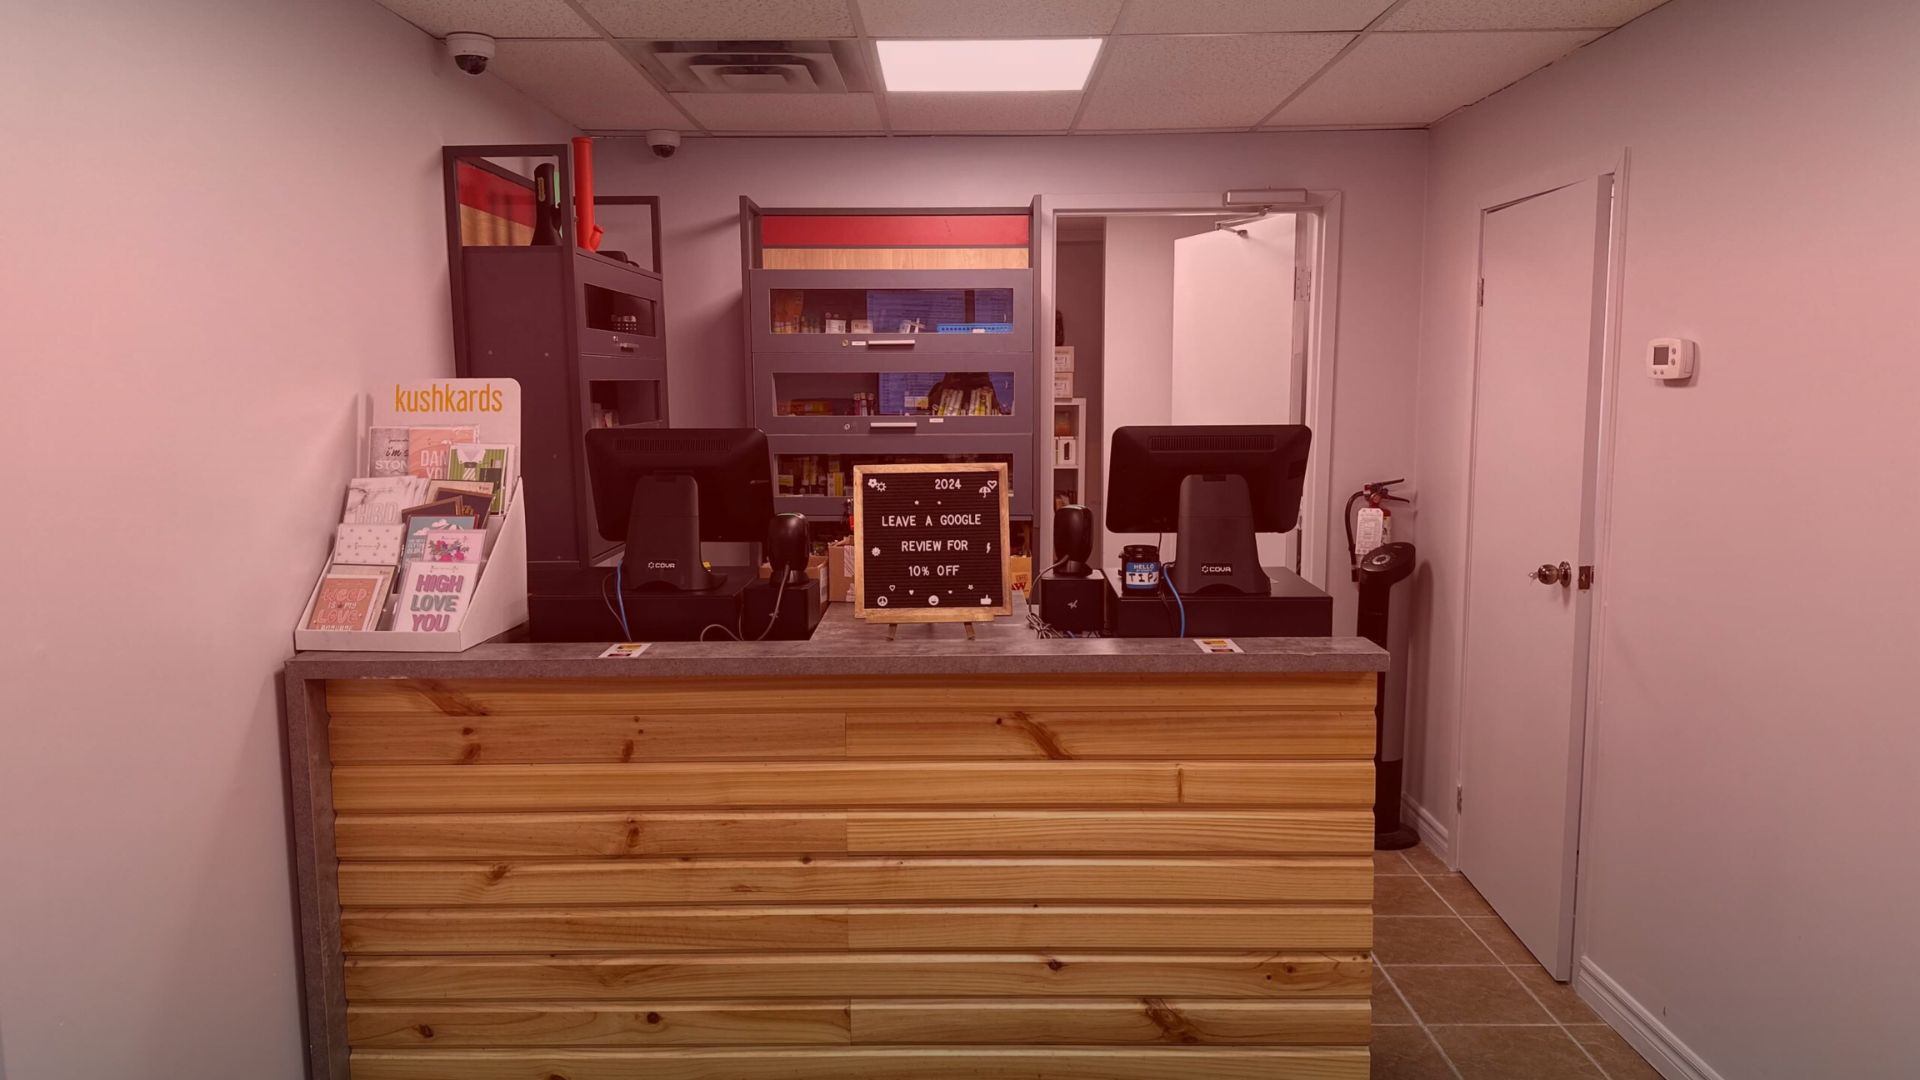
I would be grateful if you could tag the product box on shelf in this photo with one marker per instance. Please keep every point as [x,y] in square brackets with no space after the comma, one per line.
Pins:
[816,569]
[1062,358]
[840,571]
[499,598]
[1062,385]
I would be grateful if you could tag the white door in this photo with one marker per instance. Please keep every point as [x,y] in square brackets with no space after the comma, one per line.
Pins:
[1536,396]
[1233,341]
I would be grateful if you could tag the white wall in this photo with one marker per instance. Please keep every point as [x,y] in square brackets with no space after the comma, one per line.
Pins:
[1381,173]
[1137,380]
[217,240]
[1747,875]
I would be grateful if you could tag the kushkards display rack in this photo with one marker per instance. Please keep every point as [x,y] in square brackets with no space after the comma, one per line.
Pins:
[892,336]
[499,600]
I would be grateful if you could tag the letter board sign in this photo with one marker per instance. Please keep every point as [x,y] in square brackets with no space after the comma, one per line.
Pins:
[930,543]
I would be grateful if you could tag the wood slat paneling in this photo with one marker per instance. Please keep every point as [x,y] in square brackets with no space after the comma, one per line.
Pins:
[1067,735]
[370,788]
[1126,694]
[1127,1063]
[1303,832]
[530,835]
[1078,1022]
[434,739]
[366,931]
[415,739]
[865,975]
[1086,1023]
[899,878]
[844,879]
[1277,783]
[894,832]
[676,1023]
[494,788]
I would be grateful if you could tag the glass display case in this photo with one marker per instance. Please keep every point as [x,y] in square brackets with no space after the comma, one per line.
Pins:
[937,311]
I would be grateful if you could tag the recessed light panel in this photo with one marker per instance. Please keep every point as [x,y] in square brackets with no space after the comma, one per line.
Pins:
[1017,65]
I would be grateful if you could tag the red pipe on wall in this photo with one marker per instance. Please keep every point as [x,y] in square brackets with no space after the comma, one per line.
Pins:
[588,233]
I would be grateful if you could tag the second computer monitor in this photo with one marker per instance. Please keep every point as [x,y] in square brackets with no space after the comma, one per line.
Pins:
[1245,479]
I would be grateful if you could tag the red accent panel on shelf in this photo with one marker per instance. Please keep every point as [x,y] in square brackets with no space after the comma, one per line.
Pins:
[887,230]
[495,194]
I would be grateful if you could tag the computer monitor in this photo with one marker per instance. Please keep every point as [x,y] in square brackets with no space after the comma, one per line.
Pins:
[1215,486]
[664,490]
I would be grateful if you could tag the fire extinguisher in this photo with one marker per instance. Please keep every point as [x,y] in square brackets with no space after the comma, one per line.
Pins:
[1373,525]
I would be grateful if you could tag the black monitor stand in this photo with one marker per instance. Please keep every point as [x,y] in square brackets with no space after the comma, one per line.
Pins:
[1218,553]
[663,538]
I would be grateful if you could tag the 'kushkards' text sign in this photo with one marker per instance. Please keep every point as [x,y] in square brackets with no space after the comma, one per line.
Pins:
[930,543]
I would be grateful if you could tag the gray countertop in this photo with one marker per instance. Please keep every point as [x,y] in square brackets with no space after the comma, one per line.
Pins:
[844,645]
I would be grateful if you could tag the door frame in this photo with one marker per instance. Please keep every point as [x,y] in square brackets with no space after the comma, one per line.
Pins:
[1596,508]
[1319,213]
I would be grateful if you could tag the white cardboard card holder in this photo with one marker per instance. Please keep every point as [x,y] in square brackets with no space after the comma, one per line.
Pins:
[499,601]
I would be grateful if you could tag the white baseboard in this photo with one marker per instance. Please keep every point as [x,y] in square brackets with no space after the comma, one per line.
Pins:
[1432,833]
[1672,1058]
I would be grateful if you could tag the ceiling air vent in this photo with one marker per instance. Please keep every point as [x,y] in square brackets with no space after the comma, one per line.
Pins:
[753,67]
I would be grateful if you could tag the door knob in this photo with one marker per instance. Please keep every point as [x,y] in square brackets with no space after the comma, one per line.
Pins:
[1549,574]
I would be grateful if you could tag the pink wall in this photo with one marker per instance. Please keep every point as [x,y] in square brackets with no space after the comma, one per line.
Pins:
[1381,173]
[224,225]
[1746,878]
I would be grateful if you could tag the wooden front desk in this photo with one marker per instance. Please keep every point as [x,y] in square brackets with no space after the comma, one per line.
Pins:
[1097,861]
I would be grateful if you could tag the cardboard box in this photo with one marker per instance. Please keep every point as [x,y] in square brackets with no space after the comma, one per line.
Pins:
[1062,358]
[840,571]
[1062,385]
[816,569]
[1020,568]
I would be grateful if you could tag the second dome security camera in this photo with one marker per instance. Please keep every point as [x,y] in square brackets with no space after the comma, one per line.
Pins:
[663,142]
[470,51]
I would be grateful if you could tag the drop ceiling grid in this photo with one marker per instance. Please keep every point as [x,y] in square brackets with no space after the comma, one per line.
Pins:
[1167,65]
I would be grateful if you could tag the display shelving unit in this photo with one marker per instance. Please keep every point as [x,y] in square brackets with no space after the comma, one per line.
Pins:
[582,332]
[890,335]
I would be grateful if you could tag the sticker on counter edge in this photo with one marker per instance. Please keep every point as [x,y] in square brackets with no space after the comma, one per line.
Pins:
[1217,645]
[626,650]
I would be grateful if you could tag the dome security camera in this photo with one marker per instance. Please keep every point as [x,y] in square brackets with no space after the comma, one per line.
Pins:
[470,51]
[663,142]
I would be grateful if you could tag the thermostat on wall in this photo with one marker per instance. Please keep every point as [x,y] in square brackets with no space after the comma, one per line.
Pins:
[1670,358]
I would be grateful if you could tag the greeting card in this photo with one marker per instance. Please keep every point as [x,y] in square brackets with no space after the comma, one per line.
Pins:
[387,451]
[434,596]
[492,463]
[419,525]
[427,449]
[381,500]
[350,598]
[454,545]
[370,545]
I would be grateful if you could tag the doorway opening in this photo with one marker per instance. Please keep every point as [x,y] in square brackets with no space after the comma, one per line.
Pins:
[1185,310]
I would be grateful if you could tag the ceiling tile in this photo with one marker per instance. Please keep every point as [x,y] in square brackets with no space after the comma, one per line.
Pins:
[501,18]
[746,19]
[783,112]
[922,113]
[987,18]
[1247,16]
[587,82]
[1419,78]
[1517,14]
[1201,81]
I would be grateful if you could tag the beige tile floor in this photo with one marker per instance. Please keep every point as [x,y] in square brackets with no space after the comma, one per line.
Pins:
[1457,997]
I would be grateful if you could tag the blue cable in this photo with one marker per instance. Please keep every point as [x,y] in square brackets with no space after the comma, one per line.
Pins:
[1168,578]
[627,635]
